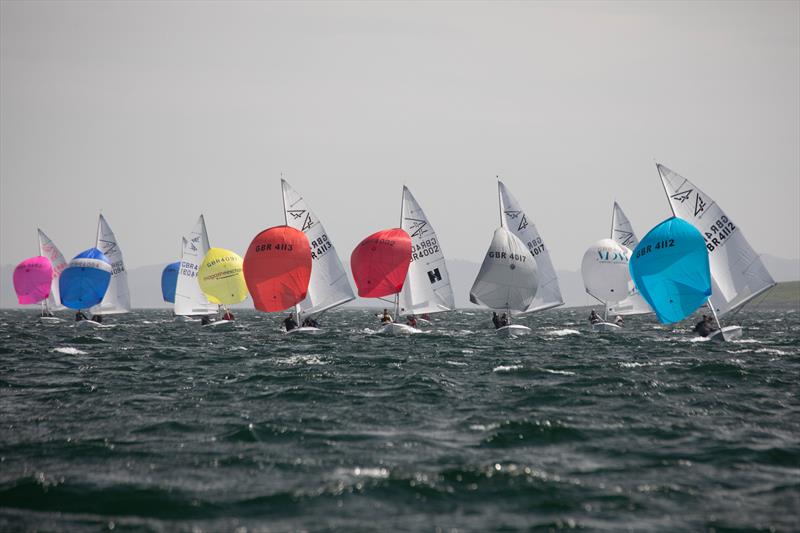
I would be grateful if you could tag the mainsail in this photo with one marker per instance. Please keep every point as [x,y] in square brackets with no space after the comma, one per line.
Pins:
[737,272]
[549,294]
[508,276]
[622,232]
[671,270]
[427,287]
[48,249]
[329,286]
[189,298]
[117,298]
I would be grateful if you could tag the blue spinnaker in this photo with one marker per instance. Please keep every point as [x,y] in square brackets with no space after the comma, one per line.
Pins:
[169,280]
[670,269]
[85,280]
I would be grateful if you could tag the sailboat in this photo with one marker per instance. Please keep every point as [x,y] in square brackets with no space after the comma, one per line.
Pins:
[380,264]
[33,278]
[427,287]
[622,232]
[737,273]
[48,249]
[190,301]
[670,267]
[221,279]
[277,268]
[328,287]
[508,278]
[117,298]
[85,281]
[604,269]
[548,294]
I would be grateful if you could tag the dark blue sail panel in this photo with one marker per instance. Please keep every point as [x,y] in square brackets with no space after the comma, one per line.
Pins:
[85,280]
[169,280]
[670,269]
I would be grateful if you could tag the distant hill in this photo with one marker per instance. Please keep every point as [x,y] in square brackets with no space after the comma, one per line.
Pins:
[145,285]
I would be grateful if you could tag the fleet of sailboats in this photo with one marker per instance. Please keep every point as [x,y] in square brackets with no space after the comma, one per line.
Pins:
[296,267]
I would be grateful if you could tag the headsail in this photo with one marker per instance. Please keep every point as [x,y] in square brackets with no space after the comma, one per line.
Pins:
[671,270]
[329,286]
[737,272]
[622,232]
[32,279]
[549,294]
[508,276]
[85,280]
[277,268]
[380,263]
[48,249]
[117,298]
[189,298]
[621,229]
[427,287]
[605,271]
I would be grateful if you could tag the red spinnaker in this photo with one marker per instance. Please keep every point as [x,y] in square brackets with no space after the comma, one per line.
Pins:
[32,279]
[277,268]
[380,263]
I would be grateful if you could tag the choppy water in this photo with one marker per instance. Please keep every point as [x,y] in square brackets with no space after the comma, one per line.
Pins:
[157,425]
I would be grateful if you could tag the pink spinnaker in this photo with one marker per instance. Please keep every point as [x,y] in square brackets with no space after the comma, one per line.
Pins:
[32,279]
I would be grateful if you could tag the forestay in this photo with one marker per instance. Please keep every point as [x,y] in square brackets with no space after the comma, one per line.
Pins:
[48,249]
[549,294]
[329,286]
[117,298]
[605,271]
[508,276]
[737,272]
[427,287]
[671,270]
[189,298]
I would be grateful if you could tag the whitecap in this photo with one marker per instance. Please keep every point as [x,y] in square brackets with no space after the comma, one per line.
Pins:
[301,359]
[506,368]
[456,363]
[563,332]
[632,365]
[562,372]
[772,351]
[69,350]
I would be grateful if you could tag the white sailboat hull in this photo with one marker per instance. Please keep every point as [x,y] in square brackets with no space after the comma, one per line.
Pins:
[728,333]
[220,324]
[304,331]
[606,327]
[398,330]
[88,324]
[513,330]
[49,319]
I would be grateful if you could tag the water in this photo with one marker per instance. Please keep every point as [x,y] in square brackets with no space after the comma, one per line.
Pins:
[158,425]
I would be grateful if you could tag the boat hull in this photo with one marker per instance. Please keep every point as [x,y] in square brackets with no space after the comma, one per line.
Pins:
[397,329]
[220,324]
[606,327]
[513,330]
[49,319]
[88,324]
[304,331]
[728,333]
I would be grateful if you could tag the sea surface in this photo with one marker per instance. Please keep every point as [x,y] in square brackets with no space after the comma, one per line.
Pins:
[157,425]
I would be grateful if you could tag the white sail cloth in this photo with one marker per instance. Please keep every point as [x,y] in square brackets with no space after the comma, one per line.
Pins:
[117,299]
[548,294]
[329,286]
[622,232]
[605,271]
[427,286]
[48,249]
[189,298]
[508,276]
[737,272]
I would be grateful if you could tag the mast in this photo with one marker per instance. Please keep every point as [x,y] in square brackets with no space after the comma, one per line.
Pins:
[664,185]
[499,201]
[286,223]
[613,219]
[397,294]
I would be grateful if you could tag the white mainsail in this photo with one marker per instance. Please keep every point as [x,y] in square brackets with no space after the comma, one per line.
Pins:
[549,293]
[622,232]
[427,287]
[117,298]
[737,272]
[329,286]
[48,249]
[508,276]
[605,271]
[189,298]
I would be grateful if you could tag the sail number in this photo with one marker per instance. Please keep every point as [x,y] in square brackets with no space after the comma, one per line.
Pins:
[424,248]
[503,255]
[320,245]
[660,245]
[536,246]
[718,232]
[189,269]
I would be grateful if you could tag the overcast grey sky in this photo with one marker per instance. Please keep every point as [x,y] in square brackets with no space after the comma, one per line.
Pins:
[156,111]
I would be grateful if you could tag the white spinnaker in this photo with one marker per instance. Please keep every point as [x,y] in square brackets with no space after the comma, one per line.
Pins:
[427,287]
[117,298]
[189,298]
[329,286]
[549,293]
[48,249]
[508,276]
[737,272]
[605,271]
[622,232]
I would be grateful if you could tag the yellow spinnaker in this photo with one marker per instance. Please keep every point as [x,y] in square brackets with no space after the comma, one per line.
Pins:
[221,278]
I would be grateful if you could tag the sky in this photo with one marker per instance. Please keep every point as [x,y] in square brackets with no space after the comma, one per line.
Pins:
[155,112]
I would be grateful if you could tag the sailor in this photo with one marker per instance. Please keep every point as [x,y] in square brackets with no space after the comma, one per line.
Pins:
[503,320]
[594,318]
[411,321]
[79,316]
[309,322]
[495,320]
[619,321]
[204,320]
[704,327]
[289,323]
[97,318]
[386,318]
[426,316]
[228,315]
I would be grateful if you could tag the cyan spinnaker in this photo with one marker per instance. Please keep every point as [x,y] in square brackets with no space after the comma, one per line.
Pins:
[169,280]
[670,269]
[85,280]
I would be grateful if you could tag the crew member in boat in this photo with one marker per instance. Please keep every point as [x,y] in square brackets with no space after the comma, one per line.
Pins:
[705,327]
[79,316]
[411,321]
[503,320]
[619,321]
[386,318]
[228,315]
[594,318]
[289,322]
[46,312]
[309,322]
[98,318]
[205,320]
[495,320]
